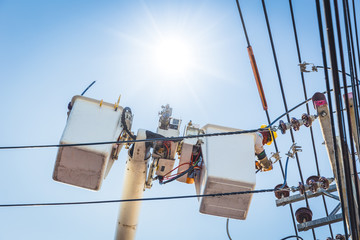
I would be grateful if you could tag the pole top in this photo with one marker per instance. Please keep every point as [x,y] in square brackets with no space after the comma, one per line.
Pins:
[319,99]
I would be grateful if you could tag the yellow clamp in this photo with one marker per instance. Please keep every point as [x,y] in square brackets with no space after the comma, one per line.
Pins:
[116,105]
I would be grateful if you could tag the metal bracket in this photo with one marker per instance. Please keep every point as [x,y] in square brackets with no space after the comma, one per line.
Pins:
[304,65]
[294,149]
[299,197]
[336,209]
[276,156]
[319,222]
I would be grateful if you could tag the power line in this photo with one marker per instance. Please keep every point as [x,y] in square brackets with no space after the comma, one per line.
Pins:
[334,66]
[307,105]
[137,199]
[284,100]
[135,141]
[161,139]
[153,139]
[297,237]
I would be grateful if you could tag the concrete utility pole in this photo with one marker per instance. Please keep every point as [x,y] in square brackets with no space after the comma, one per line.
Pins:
[133,188]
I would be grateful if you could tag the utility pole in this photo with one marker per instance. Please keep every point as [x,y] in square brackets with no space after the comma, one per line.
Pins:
[133,188]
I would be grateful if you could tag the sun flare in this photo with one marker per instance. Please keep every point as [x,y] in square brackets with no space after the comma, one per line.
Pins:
[173,56]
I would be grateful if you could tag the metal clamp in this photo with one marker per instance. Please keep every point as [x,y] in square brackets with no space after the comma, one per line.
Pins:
[293,150]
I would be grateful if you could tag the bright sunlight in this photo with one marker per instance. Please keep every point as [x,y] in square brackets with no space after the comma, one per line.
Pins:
[173,56]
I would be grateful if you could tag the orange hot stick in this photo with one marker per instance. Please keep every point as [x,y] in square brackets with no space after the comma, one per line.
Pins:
[257,77]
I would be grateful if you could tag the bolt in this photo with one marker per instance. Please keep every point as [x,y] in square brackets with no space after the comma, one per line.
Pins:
[323,114]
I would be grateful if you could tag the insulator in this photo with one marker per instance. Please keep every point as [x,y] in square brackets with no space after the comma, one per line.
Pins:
[314,178]
[313,186]
[295,124]
[301,188]
[303,215]
[340,237]
[324,183]
[281,192]
[283,126]
[307,119]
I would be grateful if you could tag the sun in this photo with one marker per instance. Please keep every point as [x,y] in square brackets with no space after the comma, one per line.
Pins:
[173,56]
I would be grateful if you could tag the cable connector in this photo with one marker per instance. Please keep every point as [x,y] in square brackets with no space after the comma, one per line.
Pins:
[293,150]
[304,65]
[276,156]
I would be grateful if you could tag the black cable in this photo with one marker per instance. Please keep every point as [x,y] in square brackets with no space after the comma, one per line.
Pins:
[135,141]
[353,71]
[158,139]
[284,99]
[298,237]
[342,128]
[184,172]
[243,22]
[87,88]
[266,111]
[357,44]
[356,90]
[137,199]
[70,104]
[334,66]
[123,122]
[307,106]
[227,229]
[357,40]
[340,71]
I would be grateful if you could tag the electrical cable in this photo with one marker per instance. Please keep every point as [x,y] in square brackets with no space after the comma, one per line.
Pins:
[123,122]
[134,141]
[340,71]
[356,37]
[286,165]
[341,126]
[82,94]
[333,60]
[137,199]
[298,237]
[284,100]
[353,48]
[227,229]
[184,172]
[307,105]
[353,72]
[157,138]
[176,168]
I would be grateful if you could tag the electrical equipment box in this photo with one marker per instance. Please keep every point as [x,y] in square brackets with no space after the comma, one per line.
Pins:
[172,130]
[184,162]
[164,166]
[89,121]
[228,166]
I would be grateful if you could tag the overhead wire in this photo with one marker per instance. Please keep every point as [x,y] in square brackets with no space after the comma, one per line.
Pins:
[307,105]
[333,61]
[283,98]
[340,71]
[356,35]
[262,96]
[132,141]
[157,138]
[292,237]
[342,128]
[137,199]
[353,71]
[87,88]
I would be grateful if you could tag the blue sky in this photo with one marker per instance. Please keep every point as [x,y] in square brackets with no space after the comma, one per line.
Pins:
[51,50]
